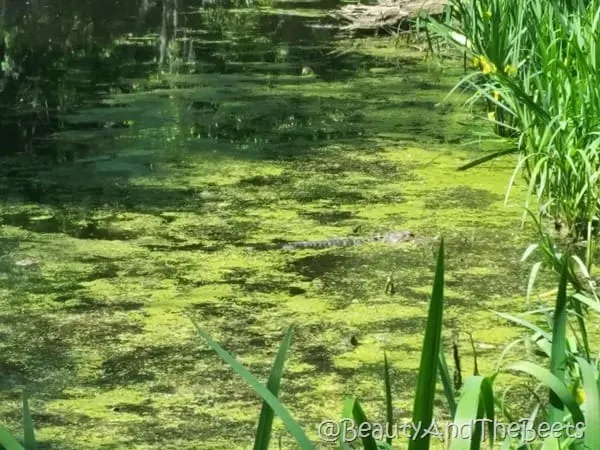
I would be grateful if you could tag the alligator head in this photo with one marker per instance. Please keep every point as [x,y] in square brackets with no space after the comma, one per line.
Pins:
[397,237]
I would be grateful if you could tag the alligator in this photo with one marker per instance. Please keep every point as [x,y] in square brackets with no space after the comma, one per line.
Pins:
[394,237]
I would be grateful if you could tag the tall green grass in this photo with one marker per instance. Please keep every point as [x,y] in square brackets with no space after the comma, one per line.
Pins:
[538,68]
[8,441]
[570,381]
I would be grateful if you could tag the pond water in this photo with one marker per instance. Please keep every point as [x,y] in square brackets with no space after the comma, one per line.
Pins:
[150,167]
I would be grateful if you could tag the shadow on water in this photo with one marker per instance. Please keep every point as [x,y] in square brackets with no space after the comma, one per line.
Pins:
[203,39]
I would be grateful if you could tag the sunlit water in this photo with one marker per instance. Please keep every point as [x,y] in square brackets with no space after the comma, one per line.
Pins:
[157,172]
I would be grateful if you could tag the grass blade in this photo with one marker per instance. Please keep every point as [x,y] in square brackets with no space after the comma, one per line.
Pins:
[525,324]
[587,302]
[551,443]
[545,377]
[528,251]
[353,411]
[581,321]
[477,397]
[506,444]
[425,394]
[447,383]
[291,425]
[265,422]
[592,404]
[28,431]
[389,409]
[559,348]
[532,277]
[487,158]
[8,441]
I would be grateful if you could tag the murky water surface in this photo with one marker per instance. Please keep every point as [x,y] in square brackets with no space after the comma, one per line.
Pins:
[152,168]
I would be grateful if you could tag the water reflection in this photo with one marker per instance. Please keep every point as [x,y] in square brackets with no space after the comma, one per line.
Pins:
[54,64]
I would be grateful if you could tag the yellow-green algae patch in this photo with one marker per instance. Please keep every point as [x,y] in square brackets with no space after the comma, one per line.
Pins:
[187,219]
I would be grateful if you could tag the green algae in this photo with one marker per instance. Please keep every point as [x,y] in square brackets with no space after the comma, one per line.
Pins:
[179,214]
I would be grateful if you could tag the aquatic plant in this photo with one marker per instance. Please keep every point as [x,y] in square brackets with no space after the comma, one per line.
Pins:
[8,442]
[569,418]
[352,410]
[536,60]
[571,384]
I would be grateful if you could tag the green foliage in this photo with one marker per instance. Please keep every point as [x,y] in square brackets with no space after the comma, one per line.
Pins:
[536,60]
[8,442]
[571,381]
[476,407]
[265,422]
[355,414]
[477,402]
[558,357]
[269,397]
[28,431]
[425,394]
[389,409]
[447,383]
[536,63]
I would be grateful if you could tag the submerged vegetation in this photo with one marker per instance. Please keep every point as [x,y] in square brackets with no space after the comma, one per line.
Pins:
[157,161]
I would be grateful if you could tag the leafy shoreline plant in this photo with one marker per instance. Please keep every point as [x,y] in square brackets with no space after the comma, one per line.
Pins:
[538,66]
[477,401]
[537,70]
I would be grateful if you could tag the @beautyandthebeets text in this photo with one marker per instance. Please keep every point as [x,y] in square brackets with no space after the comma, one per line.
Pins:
[348,430]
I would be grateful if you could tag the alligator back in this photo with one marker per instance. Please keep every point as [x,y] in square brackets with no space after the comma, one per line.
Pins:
[394,237]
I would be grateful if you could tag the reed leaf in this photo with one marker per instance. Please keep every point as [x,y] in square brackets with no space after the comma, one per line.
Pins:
[545,377]
[265,422]
[389,408]
[592,404]
[28,430]
[425,392]
[558,359]
[353,411]
[291,425]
